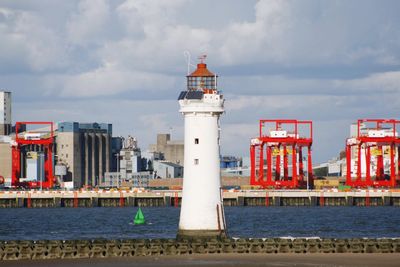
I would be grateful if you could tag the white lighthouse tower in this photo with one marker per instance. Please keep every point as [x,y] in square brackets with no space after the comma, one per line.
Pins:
[202,212]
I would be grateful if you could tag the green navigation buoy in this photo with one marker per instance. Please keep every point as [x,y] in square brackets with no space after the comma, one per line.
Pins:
[139,217]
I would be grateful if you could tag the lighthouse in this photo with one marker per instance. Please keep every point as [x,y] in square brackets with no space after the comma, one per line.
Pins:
[202,212]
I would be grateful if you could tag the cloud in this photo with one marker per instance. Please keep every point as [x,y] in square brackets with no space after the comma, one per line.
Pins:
[27,43]
[271,85]
[377,83]
[89,24]
[149,16]
[156,122]
[161,54]
[107,80]
[257,41]
[309,33]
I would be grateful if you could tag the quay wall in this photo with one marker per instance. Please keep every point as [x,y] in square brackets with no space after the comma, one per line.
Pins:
[75,249]
[130,198]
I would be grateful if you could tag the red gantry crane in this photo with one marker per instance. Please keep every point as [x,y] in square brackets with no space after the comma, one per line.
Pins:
[33,141]
[372,153]
[282,142]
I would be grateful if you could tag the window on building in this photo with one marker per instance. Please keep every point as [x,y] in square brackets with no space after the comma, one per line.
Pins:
[196,141]
[66,155]
[196,161]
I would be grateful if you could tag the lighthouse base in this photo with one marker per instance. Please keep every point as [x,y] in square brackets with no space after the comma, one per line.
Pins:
[201,234]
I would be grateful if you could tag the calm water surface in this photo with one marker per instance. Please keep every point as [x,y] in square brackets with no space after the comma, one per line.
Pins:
[162,222]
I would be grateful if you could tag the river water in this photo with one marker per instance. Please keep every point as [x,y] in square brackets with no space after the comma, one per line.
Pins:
[162,222]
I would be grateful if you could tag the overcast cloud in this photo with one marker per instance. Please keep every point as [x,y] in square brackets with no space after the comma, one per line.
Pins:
[122,62]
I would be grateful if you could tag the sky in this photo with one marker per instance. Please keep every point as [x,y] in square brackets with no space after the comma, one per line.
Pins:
[122,62]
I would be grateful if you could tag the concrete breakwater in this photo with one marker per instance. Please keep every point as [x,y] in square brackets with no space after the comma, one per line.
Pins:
[75,249]
[130,198]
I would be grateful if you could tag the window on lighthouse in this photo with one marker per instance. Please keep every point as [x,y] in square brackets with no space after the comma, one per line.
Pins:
[196,141]
[201,82]
[196,161]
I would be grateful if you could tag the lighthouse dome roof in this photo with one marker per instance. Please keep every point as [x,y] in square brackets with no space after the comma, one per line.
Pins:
[202,71]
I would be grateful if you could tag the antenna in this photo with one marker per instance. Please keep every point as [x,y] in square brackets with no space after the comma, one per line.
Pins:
[187,55]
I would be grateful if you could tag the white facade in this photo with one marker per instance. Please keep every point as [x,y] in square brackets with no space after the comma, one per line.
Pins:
[166,169]
[130,161]
[5,107]
[202,209]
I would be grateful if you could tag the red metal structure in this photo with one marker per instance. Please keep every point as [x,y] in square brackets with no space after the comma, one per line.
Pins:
[375,145]
[26,141]
[278,139]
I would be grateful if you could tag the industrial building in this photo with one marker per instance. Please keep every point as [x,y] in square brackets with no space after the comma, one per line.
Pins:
[132,169]
[137,179]
[172,151]
[130,159]
[166,169]
[5,113]
[230,162]
[5,159]
[86,150]
[335,167]
[232,166]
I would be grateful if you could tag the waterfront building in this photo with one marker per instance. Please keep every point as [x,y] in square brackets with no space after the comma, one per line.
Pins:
[5,159]
[85,149]
[233,166]
[5,113]
[136,179]
[132,169]
[166,169]
[202,207]
[230,162]
[171,150]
